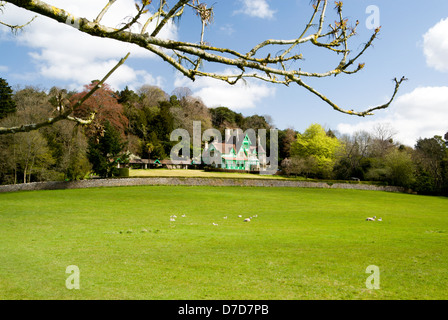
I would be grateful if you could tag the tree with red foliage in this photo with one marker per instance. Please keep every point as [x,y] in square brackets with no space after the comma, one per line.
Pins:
[104,104]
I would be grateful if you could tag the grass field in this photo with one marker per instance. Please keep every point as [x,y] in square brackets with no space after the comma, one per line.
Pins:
[303,244]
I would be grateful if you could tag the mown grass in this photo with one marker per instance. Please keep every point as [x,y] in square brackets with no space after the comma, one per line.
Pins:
[304,244]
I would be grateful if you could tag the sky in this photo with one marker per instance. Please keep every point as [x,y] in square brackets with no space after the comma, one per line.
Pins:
[413,42]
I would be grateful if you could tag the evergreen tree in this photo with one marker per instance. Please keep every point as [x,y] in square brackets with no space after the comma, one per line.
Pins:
[7,104]
[105,151]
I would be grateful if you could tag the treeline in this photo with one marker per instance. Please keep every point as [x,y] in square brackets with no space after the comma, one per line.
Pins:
[370,156]
[139,123]
[126,123]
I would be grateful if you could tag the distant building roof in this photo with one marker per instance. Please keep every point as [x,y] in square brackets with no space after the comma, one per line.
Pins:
[141,161]
[175,162]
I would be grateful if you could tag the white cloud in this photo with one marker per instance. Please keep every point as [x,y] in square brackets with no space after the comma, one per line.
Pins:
[219,93]
[61,52]
[227,29]
[421,113]
[4,69]
[256,8]
[435,43]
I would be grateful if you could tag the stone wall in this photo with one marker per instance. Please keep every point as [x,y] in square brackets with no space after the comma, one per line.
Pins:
[123,182]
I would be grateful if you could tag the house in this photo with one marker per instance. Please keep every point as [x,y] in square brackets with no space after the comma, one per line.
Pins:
[136,161]
[176,164]
[232,155]
[143,163]
[168,164]
[239,152]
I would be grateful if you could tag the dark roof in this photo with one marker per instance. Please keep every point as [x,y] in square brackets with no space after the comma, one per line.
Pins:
[141,161]
[175,162]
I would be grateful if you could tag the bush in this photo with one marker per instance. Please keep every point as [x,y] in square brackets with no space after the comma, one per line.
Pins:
[400,168]
[123,172]
[296,166]
[424,184]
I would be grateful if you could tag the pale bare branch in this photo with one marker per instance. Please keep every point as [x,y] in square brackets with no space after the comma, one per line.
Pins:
[170,14]
[187,57]
[14,28]
[66,115]
[103,12]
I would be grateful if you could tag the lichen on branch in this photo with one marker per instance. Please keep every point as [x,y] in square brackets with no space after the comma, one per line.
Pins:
[278,66]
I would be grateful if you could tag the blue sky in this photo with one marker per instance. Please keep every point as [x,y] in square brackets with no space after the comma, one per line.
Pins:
[413,42]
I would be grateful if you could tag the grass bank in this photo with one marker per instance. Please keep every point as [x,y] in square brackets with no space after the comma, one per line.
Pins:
[303,244]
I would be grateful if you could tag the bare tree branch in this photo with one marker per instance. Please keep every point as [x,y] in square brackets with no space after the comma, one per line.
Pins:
[66,115]
[103,12]
[180,4]
[187,57]
[14,28]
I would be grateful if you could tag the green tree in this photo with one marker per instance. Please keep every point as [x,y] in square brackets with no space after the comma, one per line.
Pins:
[399,168]
[223,117]
[285,139]
[127,96]
[7,104]
[353,156]
[69,148]
[27,156]
[316,143]
[106,151]
[431,159]
[164,125]
[256,122]
[154,148]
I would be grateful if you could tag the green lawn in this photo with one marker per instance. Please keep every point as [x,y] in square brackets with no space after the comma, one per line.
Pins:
[304,244]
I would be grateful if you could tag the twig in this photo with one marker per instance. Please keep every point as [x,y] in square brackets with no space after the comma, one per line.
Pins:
[67,114]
